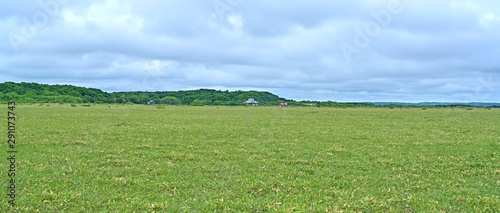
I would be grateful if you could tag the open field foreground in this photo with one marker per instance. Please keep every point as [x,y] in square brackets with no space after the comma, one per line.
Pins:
[126,158]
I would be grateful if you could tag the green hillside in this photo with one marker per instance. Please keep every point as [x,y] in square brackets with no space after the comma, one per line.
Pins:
[44,93]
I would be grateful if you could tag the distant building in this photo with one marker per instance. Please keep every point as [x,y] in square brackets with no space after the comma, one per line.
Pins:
[310,104]
[251,101]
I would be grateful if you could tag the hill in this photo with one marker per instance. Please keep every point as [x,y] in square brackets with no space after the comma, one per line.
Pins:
[44,93]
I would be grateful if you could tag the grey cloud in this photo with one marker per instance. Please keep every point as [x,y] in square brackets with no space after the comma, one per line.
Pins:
[430,51]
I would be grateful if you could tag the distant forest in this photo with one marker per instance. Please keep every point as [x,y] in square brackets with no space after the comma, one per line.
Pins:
[44,93]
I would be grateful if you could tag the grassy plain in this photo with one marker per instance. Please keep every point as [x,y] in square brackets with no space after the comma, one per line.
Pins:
[126,158]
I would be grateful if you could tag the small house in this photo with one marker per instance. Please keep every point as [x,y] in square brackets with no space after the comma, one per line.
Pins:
[251,101]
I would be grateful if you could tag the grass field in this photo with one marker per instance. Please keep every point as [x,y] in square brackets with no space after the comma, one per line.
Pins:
[126,158]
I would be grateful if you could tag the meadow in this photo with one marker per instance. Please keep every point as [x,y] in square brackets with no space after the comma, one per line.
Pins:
[137,158]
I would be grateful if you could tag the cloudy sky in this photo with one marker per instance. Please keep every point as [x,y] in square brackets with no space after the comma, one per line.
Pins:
[361,50]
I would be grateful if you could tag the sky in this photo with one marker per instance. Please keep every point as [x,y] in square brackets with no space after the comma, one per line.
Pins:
[360,50]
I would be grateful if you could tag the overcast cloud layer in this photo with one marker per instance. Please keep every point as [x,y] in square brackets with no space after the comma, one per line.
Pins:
[365,50]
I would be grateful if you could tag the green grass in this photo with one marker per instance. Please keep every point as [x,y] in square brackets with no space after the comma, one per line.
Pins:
[126,158]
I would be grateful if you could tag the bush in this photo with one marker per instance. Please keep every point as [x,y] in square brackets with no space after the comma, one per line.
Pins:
[198,103]
[73,105]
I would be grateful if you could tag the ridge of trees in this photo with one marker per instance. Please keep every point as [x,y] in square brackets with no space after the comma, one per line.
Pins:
[44,93]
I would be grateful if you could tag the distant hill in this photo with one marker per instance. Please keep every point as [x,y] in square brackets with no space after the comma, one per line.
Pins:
[44,93]
[197,97]
[438,104]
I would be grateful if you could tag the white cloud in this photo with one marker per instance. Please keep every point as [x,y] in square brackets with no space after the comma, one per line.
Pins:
[488,18]
[73,19]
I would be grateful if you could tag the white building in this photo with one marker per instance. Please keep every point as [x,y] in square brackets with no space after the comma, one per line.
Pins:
[251,101]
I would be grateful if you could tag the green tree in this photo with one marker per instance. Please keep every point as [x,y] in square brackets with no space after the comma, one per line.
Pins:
[88,99]
[134,99]
[10,96]
[49,93]
[75,93]
[170,100]
[198,102]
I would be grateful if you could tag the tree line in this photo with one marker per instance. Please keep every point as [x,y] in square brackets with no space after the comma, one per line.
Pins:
[44,93]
